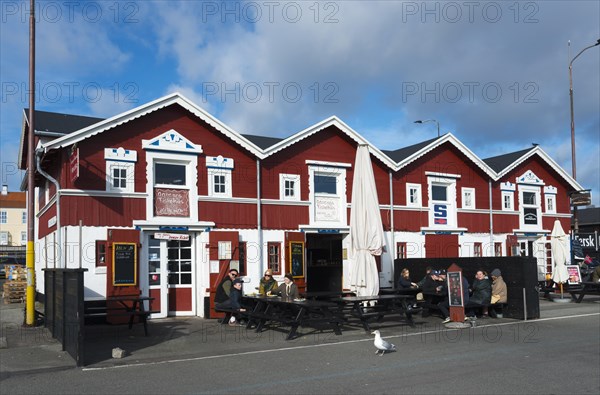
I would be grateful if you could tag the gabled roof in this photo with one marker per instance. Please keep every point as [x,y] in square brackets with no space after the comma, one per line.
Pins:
[46,121]
[174,98]
[262,141]
[339,124]
[262,146]
[500,162]
[401,154]
[521,156]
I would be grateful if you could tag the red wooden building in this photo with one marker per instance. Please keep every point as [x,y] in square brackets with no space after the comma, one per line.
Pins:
[195,197]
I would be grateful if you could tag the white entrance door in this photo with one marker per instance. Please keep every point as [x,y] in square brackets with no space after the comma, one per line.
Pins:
[171,275]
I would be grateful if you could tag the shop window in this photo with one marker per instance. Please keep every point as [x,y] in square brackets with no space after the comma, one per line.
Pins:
[224,249]
[100,253]
[497,249]
[477,250]
[274,257]
[401,250]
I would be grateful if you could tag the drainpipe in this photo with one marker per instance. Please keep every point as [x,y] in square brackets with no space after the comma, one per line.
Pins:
[491,218]
[57,196]
[393,249]
[259,219]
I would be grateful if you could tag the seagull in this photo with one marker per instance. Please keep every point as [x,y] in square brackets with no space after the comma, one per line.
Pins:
[381,344]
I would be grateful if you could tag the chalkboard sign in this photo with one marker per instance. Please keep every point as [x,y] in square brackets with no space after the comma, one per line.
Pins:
[455,291]
[297,258]
[124,264]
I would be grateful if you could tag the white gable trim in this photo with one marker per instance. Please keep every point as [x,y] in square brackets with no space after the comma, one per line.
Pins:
[165,101]
[537,150]
[172,141]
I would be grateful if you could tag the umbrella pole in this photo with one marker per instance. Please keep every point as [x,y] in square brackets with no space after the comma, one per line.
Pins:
[561,291]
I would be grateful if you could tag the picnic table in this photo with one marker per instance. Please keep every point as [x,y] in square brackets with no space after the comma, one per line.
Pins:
[385,305]
[589,287]
[292,312]
[130,306]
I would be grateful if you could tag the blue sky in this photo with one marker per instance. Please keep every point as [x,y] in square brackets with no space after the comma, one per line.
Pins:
[495,74]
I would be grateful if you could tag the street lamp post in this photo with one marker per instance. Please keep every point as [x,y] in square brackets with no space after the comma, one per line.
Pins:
[573,160]
[431,120]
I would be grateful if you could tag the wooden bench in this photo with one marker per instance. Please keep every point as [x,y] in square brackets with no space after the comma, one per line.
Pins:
[228,313]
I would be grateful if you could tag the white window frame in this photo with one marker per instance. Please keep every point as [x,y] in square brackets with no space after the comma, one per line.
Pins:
[465,192]
[450,184]
[224,249]
[295,178]
[550,204]
[191,178]
[418,199]
[122,159]
[3,238]
[3,217]
[537,206]
[23,238]
[511,200]
[339,199]
[212,172]
[24,217]
[129,176]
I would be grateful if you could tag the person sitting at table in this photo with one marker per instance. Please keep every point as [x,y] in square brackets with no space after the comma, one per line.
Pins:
[434,289]
[499,292]
[288,289]
[405,283]
[482,292]
[234,302]
[267,283]
[427,272]
[404,280]
[224,288]
[596,275]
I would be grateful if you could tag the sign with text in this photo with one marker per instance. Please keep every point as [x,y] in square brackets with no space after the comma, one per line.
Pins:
[574,274]
[326,208]
[171,202]
[455,291]
[124,264]
[296,249]
[171,236]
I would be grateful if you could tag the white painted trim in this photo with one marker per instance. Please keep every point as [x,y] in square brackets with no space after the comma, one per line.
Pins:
[442,175]
[226,173]
[464,191]
[295,178]
[96,193]
[419,189]
[321,163]
[428,229]
[219,199]
[303,203]
[341,195]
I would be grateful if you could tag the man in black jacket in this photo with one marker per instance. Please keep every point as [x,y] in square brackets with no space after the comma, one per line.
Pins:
[224,289]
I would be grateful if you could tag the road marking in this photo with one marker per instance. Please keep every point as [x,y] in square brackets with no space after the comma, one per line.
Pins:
[370,339]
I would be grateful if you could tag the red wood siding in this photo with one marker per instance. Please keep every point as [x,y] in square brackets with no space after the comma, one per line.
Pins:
[101,211]
[476,223]
[410,221]
[228,215]
[180,299]
[505,223]
[284,217]
[441,246]
[43,229]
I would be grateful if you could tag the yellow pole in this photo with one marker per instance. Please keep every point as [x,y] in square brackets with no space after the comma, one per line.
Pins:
[30,296]
[30,253]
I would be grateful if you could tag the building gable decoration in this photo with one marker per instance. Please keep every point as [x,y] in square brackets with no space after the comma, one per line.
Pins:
[530,178]
[218,162]
[172,141]
[550,190]
[120,154]
[507,186]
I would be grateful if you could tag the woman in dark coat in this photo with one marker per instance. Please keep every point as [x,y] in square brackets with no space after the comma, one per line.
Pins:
[482,289]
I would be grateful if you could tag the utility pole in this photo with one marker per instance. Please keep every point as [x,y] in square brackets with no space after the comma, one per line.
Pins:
[30,254]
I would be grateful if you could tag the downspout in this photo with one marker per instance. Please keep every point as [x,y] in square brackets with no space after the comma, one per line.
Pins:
[38,153]
[393,249]
[491,218]
[259,219]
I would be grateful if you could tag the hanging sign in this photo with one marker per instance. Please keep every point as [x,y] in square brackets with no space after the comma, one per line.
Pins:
[171,236]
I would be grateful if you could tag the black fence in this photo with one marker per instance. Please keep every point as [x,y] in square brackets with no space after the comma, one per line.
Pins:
[519,273]
[63,302]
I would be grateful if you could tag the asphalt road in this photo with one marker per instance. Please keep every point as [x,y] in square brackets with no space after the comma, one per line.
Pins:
[558,354]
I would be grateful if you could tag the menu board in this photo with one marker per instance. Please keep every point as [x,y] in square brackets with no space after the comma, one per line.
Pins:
[455,291]
[297,258]
[124,264]
[574,274]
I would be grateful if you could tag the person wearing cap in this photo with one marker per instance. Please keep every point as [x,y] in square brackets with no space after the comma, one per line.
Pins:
[499,294]
[267,283]
[288,289]
[234,302]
